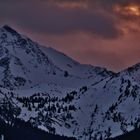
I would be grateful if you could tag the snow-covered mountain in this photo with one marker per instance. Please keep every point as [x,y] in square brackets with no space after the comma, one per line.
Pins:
[23,64]
[55,93]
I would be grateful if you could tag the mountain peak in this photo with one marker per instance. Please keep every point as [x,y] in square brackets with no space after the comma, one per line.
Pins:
[134,67]
[9,29]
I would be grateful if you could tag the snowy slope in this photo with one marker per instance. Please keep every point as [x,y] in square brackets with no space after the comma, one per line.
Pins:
[59,95]
[134,72]
[72,66]
[21,60]
[23,64]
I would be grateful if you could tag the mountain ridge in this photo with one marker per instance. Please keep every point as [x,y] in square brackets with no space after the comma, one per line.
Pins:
[61,96]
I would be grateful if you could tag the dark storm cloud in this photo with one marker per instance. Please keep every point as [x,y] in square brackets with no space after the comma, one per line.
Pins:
[44,17]
[67,21]
[54,20]
[112,2]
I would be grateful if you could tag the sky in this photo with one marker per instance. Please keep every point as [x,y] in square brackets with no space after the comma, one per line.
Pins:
[103,33]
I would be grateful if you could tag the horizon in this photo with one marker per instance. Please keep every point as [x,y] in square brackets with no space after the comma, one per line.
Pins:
[68,55]
[100,33]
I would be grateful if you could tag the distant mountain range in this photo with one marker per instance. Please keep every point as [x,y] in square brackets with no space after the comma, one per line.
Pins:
[44,87]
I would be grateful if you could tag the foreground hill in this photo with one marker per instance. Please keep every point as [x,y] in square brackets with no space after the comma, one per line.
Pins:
[133,135]
[22,131]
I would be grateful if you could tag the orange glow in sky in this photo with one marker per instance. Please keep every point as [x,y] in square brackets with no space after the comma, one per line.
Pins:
[131,9]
